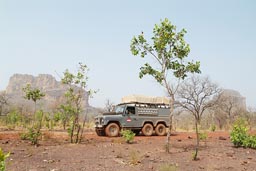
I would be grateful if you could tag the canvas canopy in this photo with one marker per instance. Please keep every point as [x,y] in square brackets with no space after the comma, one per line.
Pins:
[145,99]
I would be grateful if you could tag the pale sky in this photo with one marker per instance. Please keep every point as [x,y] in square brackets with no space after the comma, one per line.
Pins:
[49,36]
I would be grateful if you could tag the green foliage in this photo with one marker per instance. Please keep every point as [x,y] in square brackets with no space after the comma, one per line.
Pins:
[32,94]
[213,128]
[203,136]
[240,137]
[39,115]
[57,116]
[169,48]
[47,120]
[168,167]
[250,142]
[13,117]
[24,136]
[34,132]
[239,132]
[3,157]
[128,135]
[72,108]
[33,135]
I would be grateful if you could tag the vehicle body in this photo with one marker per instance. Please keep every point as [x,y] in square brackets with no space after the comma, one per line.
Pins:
[137,115]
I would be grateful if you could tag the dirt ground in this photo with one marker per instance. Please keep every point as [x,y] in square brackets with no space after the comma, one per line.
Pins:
[96,153]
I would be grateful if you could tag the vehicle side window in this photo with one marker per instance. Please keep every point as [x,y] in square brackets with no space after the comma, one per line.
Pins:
[131,110]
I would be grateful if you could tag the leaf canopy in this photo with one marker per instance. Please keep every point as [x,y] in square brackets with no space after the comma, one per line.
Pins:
[169,49]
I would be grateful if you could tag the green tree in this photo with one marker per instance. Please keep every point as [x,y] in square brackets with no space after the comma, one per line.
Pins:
[77,85]
[169,49]
[34,94]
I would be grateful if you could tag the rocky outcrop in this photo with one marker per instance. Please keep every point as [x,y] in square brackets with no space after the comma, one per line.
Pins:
[42,81]
[54,90]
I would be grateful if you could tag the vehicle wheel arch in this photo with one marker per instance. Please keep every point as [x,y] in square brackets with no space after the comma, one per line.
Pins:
[148,122]
[161,122]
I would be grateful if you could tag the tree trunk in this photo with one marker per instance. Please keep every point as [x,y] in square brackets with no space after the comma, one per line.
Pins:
[78,131]
[170,123]
[72,131]
[197,141]
[82,131]
[64,125]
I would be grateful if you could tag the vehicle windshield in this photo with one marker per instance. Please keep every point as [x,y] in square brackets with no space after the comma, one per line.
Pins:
[120,109]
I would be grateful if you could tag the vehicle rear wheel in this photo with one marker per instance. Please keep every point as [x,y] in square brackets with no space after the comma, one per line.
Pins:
[112,130]
[160,130]
[147,129]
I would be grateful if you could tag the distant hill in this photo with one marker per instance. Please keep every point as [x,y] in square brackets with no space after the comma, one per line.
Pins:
[53,89]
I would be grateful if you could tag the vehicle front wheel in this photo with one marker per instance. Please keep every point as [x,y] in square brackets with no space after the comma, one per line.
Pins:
[160,130]
[112,130]
[147,129]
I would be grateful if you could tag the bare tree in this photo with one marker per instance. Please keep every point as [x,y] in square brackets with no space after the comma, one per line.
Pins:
[250,116]
[228,107]
[196,95]
[3,101]
[109,105]
[218,116]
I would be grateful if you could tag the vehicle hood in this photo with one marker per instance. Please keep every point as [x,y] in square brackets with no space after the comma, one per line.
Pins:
[111,113]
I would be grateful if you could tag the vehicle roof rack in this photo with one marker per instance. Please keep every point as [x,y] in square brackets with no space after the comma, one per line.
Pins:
[140,99]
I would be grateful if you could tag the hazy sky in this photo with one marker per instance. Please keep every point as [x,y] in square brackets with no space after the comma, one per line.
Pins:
[49,36]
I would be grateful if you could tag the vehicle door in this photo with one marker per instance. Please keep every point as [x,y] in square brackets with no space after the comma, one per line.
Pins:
[130,117]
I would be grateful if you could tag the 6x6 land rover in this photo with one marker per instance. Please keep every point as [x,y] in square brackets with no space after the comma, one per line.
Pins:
[137,113]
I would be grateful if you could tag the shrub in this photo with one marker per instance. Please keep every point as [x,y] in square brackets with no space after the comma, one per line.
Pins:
[203,136]
[13,117]
[34,132]
[213,128]
[32,135]
[3,158]
[239,134]
[128,135]
[250,142]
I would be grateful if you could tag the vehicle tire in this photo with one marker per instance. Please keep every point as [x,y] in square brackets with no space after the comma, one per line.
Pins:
[160,130]
[100,132]
[147,129]
[112,130]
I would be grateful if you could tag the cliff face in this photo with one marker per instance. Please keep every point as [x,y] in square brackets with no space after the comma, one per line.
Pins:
[42,81]
[53,89]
